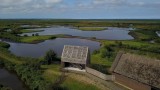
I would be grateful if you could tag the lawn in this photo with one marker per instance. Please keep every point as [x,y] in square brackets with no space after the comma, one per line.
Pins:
[51,72]
[71,82]
[92,28]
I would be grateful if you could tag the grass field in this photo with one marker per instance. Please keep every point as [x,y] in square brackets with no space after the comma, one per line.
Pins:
[30,31]
[35,39]
[52,73]
[92,28]
[144,34]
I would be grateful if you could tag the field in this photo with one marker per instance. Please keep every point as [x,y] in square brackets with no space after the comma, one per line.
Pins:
[92,28]
[30,31]
[37,75]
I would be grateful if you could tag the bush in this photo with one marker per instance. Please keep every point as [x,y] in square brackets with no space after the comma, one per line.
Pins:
[96,51]
[4,44]
[36,34]
[32,34]
[53,37]
[25,35]
[50,57]
[103,53]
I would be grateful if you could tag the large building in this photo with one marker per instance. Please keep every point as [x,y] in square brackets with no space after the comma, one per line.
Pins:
[136,72]
[75,57]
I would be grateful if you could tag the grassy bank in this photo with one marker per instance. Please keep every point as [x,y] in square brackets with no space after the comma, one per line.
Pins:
[41,77]
[30,31]
[92,28]
[144,34]
[35,39]
[103,58]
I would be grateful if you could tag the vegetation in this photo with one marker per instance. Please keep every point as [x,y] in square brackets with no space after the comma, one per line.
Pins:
[35,39]
[50,57]
[4,45]
[4,87]
[92,28]
[30,31]
[144,35]
[69,82]
[102,59]
[38,75]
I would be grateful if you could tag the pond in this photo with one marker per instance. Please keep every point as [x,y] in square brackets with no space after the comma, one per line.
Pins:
[11,80]
[39,50]
[112,33]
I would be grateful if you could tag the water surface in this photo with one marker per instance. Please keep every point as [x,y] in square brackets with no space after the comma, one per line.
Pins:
[11,80]
[112,33]
[38,50]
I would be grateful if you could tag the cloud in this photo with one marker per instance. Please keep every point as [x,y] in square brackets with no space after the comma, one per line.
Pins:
[11,6]
[53,1]
[29,6]
[14,2]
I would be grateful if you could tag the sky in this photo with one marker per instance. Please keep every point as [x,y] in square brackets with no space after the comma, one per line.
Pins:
[80,9]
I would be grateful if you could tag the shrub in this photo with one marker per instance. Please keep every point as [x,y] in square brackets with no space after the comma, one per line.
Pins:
[50,57]
[36,34]
[25,35]
[96,51]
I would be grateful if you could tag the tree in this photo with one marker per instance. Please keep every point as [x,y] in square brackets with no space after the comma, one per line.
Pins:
[50,57]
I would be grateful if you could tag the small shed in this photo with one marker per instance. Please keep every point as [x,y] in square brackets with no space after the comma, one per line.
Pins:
[136,72]
[75,57]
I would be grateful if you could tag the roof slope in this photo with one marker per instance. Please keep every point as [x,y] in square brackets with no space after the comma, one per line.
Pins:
[74,54]
[140,68]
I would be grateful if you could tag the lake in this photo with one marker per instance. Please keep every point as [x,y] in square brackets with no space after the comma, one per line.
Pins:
[39,50]
[11,80]
[112,33]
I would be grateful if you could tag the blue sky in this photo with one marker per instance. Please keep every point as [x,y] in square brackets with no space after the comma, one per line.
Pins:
[80,9]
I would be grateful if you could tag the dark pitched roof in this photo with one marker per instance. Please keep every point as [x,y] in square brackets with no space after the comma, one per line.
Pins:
[74,54]
[143,69]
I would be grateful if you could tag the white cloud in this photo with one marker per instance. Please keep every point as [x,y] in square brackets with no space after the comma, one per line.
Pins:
[111,2]
[61,5]
[53,1]
[14,2]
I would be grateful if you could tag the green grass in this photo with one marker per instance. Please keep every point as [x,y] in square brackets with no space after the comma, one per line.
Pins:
[51,72]
[30,31]
[34,39]
[7,56]
[92,28]
[97,59]
[144,35]
[136,47]
[73,84]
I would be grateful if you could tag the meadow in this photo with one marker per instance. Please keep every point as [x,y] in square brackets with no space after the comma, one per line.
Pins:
[37,75]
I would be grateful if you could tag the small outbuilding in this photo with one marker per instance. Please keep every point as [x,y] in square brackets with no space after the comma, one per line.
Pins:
[75,57]
[136,72]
